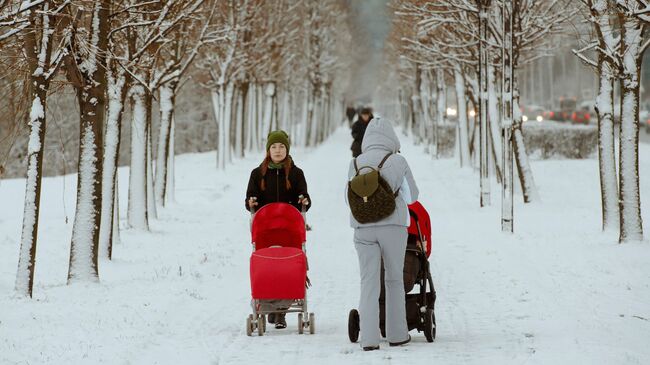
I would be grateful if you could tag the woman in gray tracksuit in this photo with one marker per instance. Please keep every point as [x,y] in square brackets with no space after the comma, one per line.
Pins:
[384,239]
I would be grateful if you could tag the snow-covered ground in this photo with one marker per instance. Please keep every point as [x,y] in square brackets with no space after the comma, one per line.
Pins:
[555,292]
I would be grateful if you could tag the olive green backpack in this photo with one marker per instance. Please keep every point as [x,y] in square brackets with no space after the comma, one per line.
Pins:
[370,197]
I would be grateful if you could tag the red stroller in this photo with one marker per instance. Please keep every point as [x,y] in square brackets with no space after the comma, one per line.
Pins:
[278,267]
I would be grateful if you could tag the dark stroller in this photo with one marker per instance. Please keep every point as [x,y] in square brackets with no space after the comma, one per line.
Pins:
[419,305]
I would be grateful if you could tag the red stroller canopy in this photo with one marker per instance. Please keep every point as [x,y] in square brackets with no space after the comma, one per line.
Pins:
[278,224]
[425,224]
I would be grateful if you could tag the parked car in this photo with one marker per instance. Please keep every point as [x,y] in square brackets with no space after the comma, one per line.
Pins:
[532,113]
[569,112]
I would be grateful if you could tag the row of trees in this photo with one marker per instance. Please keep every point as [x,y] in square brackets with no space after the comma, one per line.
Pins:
[614,49]
[436,45]
[128,55]
[446,47]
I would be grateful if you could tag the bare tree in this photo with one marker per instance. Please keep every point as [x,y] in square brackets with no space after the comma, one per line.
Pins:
[176,58]
[39,32]
[86,69]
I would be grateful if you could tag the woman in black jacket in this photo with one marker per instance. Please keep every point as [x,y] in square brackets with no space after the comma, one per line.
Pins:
[277,179]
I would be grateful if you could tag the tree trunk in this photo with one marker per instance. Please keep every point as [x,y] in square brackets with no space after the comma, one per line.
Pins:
[269,93]
[167,105]
[137,212]
[170,190]
[251,114]
[606,148]
[39,86]
[227,116]
[84,248]
[151,200]
[306,114]
[462,118]
[441,109]
[217,106]
[526,179]
[239,122]
[261,132]
[116,99]
[495,122]
[428,123]
[630,200]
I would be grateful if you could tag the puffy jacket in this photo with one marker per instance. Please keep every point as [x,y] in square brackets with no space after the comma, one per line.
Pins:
[379,140]
[276,190]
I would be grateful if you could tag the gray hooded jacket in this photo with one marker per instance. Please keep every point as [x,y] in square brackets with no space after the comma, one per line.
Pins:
[379,140]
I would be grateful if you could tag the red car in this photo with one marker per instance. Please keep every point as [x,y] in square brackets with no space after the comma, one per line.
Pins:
[569,112]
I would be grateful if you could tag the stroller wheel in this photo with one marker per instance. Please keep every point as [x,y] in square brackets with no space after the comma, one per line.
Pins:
[249,325]
[312,324]
[353,325]
[261,325]
[301,324]
[430,325]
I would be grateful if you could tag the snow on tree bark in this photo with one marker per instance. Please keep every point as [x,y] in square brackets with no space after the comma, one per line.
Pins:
[462,117]
[227,116]
[630,203]
[110,218]
[167,102]
[441,109]
[137,214]
[37,45]
[151,200]
[91,93]
[239,121]
[606,147]
[495,122]
[217,106]
[170,196]
[524,170]
[27,256]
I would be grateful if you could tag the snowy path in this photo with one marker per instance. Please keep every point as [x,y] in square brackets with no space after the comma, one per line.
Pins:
[557,291]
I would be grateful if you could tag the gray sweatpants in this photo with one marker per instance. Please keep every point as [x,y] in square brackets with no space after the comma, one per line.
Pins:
[373,243]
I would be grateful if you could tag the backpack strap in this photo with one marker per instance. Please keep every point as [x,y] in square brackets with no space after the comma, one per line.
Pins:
[381,164]
[356,168]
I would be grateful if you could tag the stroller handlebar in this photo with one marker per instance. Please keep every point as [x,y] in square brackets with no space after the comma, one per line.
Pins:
[415,216]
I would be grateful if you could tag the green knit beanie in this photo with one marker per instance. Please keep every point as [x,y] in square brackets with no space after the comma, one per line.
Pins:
[278,136]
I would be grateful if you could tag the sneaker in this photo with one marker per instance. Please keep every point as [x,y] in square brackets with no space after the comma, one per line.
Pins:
[370,348]
[271,318]
[393,344]
[280,322]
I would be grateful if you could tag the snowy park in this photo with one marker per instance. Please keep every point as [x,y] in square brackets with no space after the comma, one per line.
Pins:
[143,145]
[555,291]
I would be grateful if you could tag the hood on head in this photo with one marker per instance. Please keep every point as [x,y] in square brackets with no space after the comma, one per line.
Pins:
[380,135]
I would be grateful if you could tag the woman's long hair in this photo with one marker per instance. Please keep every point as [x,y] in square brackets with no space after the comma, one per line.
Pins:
[288,162]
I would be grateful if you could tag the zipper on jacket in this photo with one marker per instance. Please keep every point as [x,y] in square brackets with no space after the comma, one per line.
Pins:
[277,185]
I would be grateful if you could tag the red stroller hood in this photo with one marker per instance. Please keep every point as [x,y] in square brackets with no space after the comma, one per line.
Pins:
[278,224]
[425,224]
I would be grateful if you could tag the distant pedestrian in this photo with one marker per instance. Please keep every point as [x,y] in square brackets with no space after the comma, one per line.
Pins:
[350,112]
[359,129]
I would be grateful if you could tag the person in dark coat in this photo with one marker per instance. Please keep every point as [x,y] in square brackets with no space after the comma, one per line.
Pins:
[359,129]
[350,112]
[277,179]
